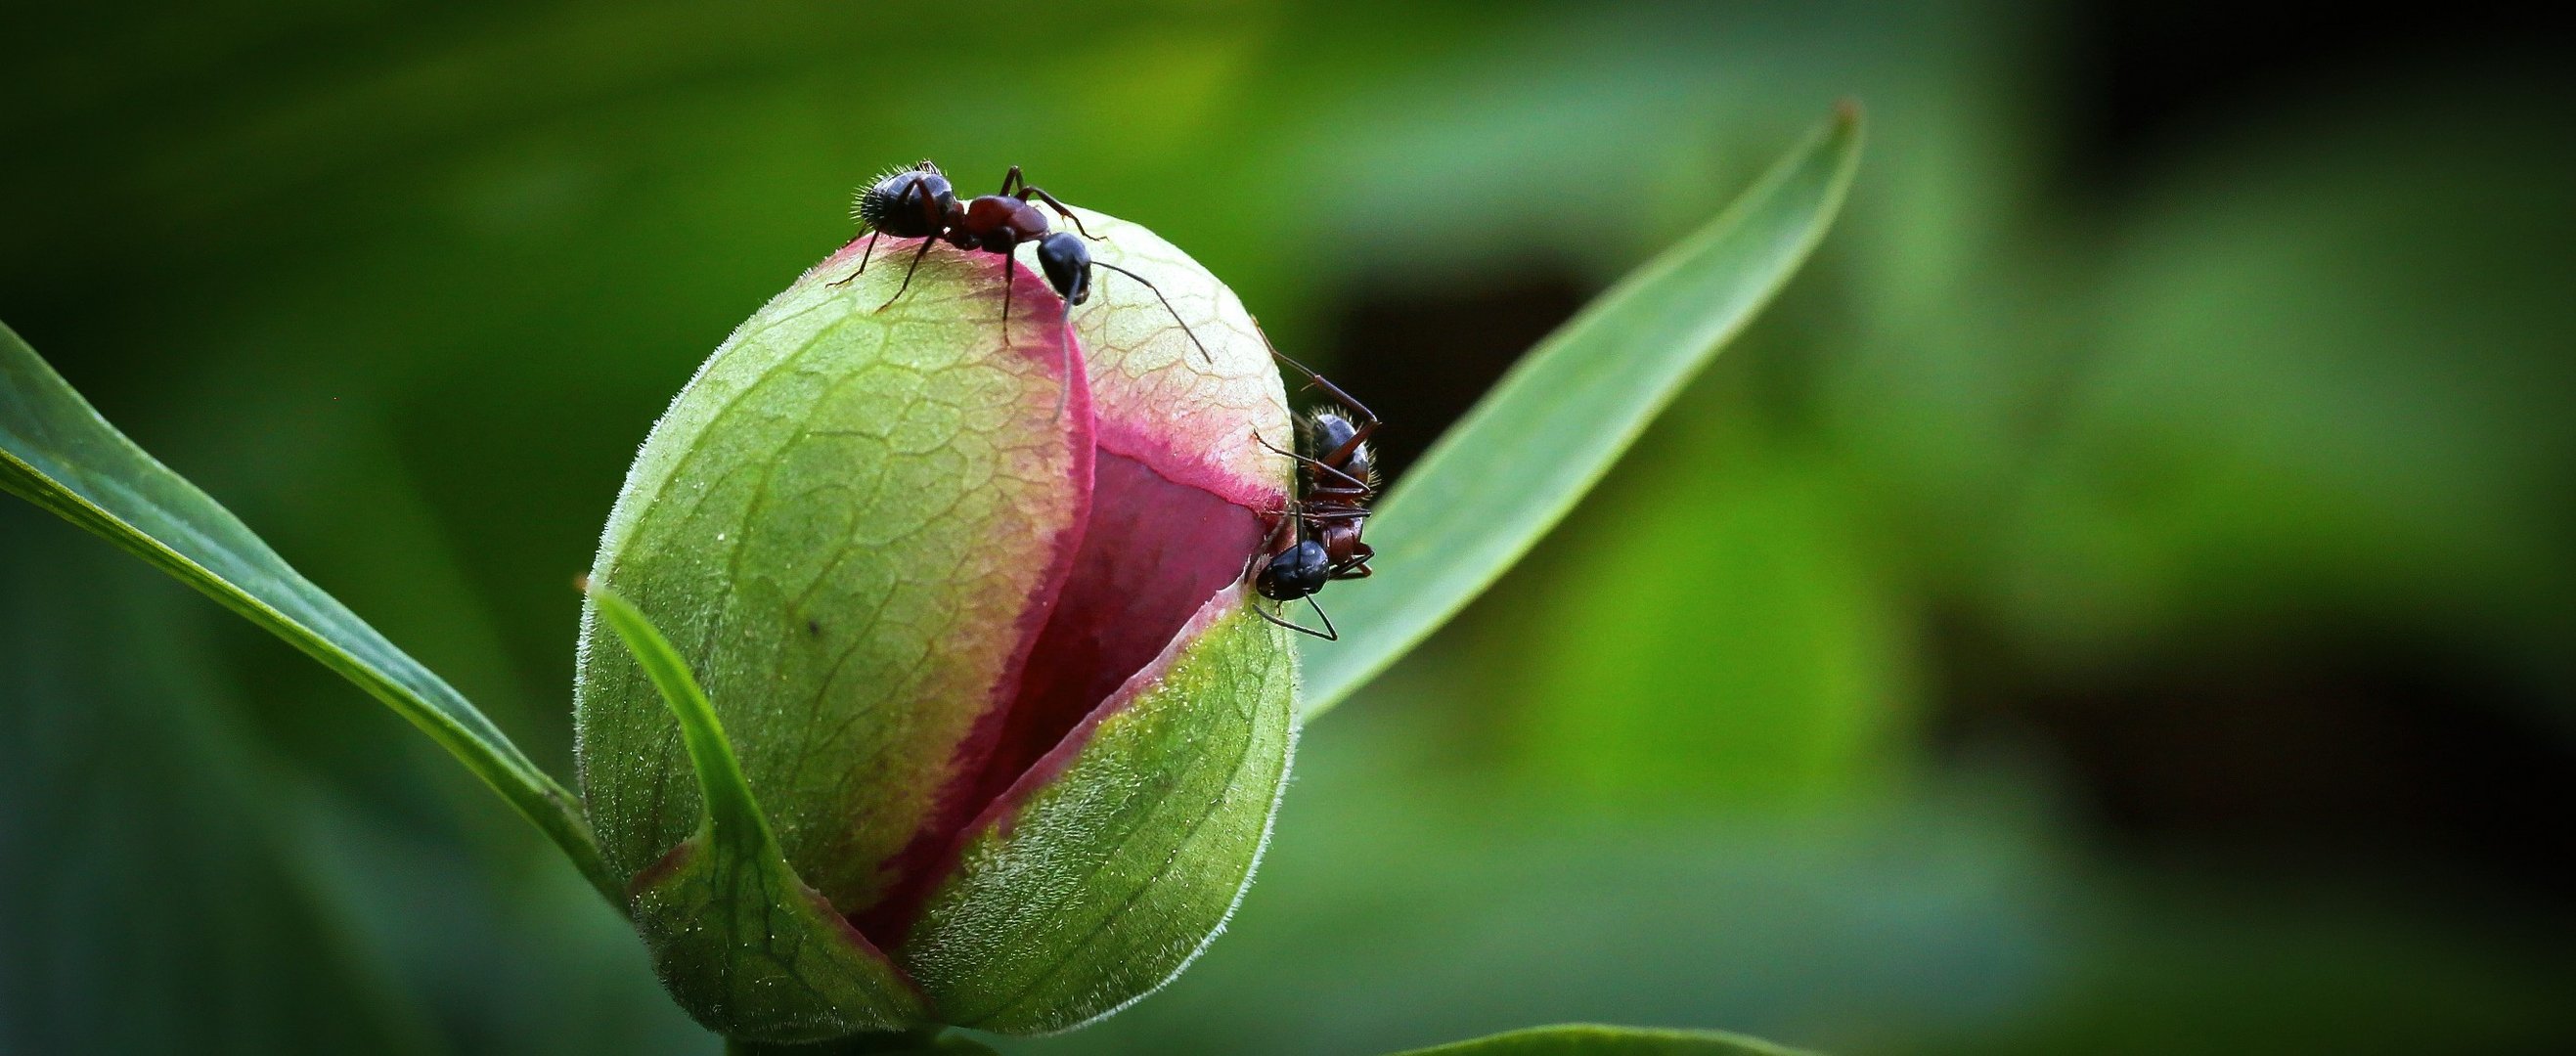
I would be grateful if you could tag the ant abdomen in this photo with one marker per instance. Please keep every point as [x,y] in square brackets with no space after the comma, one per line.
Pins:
[1329,431]
[908,203]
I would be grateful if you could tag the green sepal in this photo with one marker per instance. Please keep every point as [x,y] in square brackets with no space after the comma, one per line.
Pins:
[747,948]
[1108,880]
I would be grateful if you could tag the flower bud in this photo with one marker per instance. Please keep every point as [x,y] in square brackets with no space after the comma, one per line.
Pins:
[976,630]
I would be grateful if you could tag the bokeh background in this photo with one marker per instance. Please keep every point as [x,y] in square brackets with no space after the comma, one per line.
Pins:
[2122,599]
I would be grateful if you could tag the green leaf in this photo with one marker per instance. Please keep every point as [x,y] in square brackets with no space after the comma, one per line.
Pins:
[742,943]
[57,452]
[1495,483]
[1589,1040]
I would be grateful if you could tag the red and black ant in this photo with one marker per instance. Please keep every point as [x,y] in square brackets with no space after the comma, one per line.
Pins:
[1318,539]
[919,203]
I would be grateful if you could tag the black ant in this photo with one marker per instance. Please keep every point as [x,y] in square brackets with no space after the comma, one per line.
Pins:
[1318,539]
[919,203]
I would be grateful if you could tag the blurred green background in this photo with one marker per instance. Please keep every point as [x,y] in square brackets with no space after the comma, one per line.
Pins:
[2121,600]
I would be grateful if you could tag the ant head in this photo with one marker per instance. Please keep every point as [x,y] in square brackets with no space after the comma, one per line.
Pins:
[893,204]
[1067,262]
[1294,573]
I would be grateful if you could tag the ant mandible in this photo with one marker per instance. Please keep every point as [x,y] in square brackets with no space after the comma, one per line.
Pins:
[1318,539]
[919,203]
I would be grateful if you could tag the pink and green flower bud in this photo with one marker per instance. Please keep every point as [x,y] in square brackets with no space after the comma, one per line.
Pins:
[989,668]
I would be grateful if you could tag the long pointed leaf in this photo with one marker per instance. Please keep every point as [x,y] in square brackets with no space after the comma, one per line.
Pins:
[1510,470]
[57,452]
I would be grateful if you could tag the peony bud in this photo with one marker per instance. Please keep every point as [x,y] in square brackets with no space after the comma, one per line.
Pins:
[987,665]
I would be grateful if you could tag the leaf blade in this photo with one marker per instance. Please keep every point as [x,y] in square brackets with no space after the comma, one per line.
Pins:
[57,452]
[1586,1039]
[1557,421]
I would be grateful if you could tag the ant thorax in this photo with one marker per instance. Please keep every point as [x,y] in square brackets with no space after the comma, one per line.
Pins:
[997,224]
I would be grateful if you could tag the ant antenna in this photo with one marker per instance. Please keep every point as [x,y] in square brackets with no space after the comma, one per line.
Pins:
[1314,380]
[1064,392]
[1330,635]
[1167,306]
[1327,634]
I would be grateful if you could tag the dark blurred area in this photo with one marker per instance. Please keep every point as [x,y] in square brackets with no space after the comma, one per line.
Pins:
[2121,599]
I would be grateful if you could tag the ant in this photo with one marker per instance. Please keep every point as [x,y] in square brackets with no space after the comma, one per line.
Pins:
[919,203]
[1318,539]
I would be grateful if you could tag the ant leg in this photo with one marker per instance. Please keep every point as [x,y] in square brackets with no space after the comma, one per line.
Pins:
[1286,534]
[1026,191]
[930,214]
[1012,179]
[1010,280]
[1337,471]
[863,261]
[1276,450]
[1368,419]
[1334,470]
[1167,306]
[907,274]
